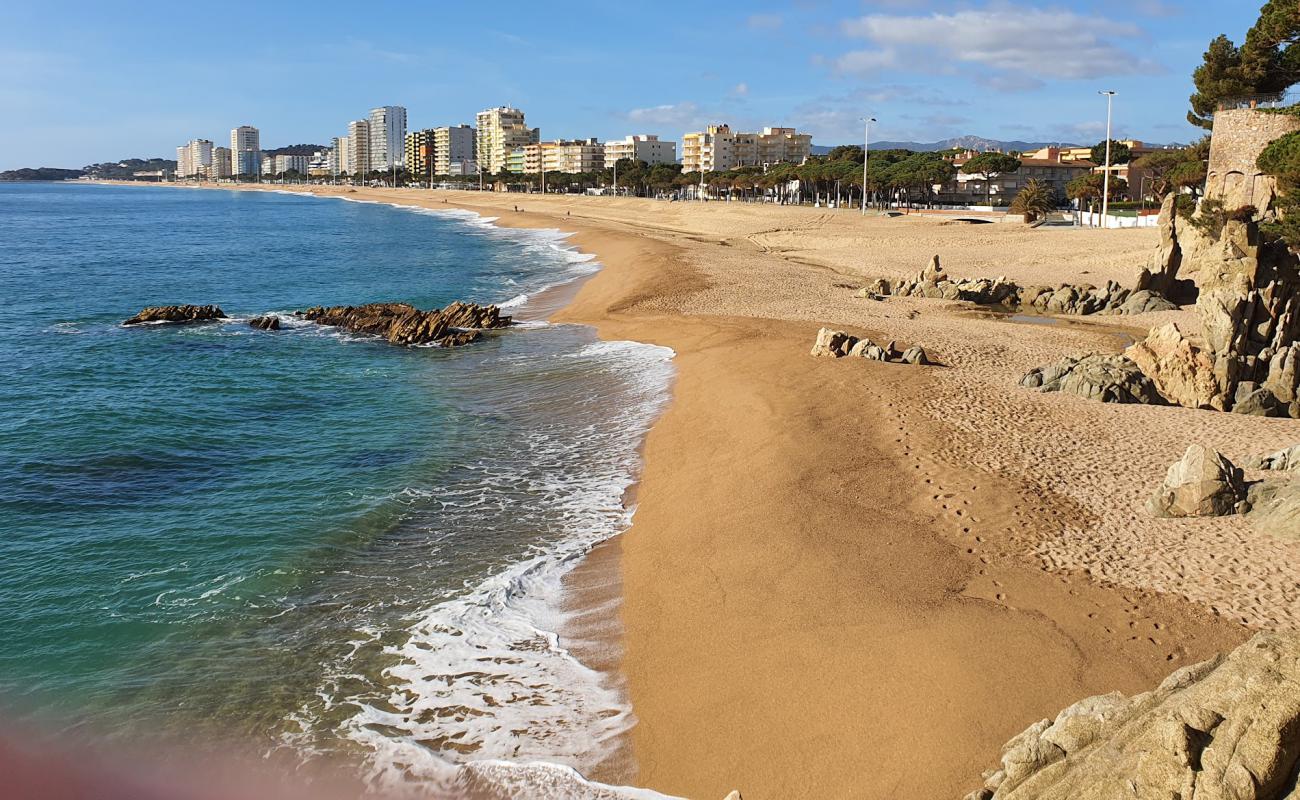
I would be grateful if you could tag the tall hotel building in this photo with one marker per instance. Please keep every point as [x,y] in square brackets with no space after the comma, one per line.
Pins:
[419,153]
[501,130]
[193,158]
[359,146]
[339,155]
[719,148]
[387,137]
[454,150]
[245,151]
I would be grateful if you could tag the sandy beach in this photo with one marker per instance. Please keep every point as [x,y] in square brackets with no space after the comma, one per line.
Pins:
[848,578]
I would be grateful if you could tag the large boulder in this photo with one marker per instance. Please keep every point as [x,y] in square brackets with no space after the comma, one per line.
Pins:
[267,323]
[1201,484]
[1224,729]
[404,324]
[1107,378]
[176,314]
[832,343]
[1182,372]
[1275,507]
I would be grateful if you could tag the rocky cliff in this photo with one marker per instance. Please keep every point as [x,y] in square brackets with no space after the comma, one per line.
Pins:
[1225,728]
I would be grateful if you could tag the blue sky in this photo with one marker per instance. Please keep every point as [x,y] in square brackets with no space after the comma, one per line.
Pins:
[82,82]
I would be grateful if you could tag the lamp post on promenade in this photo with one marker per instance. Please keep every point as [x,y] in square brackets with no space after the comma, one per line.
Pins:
[866,158]
[1105,180]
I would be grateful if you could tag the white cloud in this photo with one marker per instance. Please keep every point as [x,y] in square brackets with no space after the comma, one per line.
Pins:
[679,115]
[765,22]
[1017,46]
[740,89]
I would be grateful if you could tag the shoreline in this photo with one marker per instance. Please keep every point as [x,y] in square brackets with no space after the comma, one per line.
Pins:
[814,550]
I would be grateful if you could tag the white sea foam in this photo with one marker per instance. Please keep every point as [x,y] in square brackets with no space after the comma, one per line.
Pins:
[483,677]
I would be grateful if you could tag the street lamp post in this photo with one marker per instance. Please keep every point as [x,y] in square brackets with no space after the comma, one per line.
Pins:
[1105,180]
[866,158]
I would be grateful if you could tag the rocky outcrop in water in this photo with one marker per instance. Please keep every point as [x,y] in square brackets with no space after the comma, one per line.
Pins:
[933,282]
[401,323]
[268,323]
[1225,728]
[176,314]
[838,344]
[1108,378]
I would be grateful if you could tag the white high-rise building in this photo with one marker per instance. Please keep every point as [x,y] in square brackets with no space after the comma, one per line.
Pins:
[193,158]
[245,151]
[387,137]
[339,155]
[453,149]
[641,147]
[220,168]
[358,146]
[501,131]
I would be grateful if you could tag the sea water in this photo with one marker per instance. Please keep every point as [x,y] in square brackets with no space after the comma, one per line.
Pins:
[308,540]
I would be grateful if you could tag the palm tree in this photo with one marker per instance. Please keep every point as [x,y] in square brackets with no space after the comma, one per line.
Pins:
[1036,199]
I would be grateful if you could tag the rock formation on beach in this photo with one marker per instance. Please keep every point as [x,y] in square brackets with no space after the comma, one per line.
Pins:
[838,344]
[1108,378]
[1249,307]
[267,323]
[1225,728]
[401,323]
[1203,483]
[185,313]
[1084,299]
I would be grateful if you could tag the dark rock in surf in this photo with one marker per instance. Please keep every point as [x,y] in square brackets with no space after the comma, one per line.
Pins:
[265,323]
[401,323]
[177,314]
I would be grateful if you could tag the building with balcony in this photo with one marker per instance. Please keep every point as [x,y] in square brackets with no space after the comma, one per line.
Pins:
[1049,165]
[455,150]
[194,158]
[718,148]
[387,137]
[645,147]
[245,151]
[575,155]
[221,163]
[339,155]
[419,153]
[500,131]
[358,147]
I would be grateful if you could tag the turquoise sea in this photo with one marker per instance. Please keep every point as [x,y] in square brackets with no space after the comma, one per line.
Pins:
[312,541]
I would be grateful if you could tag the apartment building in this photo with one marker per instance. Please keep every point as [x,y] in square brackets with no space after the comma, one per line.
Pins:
[194,158]
[321,163]
[719,148]
[245,151]
[645,147]
[574,155]
[455,150]
[1049,165]
[419,153]
[500,131]
[387,137]
[280,164]
[221,163]
[1135,176]
[358,146]
[339,155]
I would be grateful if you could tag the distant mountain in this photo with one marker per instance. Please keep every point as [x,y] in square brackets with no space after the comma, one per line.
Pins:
[957,143]
[40,174]
[296,150]
[127,167]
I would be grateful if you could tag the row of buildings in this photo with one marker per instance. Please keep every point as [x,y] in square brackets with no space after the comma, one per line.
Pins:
[1054,166]
[500,141]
